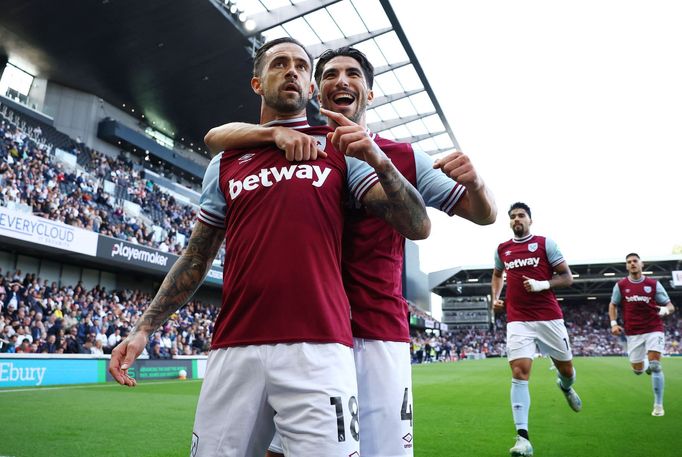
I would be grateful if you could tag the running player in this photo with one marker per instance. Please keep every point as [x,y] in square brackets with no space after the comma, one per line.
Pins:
[270,212]
[644,302]
[373,251]
[534,266]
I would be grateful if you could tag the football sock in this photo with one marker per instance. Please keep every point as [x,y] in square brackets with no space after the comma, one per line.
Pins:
[566,383]
[657,381]
[520,401]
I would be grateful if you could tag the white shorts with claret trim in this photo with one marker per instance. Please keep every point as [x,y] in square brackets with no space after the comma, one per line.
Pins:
[385,399]
[311,387]
[550,337]
[639,345]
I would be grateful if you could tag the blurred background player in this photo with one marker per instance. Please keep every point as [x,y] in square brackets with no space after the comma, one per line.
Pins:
[373,251]
[644,302]
[269,211]
[533,314]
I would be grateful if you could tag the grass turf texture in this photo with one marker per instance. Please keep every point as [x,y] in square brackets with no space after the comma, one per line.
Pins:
[461,409]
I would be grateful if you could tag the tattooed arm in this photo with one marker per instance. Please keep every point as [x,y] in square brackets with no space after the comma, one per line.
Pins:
[183,279]
[395,200]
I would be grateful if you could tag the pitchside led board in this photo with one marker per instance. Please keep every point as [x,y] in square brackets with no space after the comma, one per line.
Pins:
[48,370]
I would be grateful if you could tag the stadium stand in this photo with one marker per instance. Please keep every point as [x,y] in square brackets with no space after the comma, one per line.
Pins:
[588,327]
[37,317]
[32,177]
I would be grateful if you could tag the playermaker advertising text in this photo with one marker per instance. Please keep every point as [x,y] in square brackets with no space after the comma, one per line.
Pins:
[315,173]
[130,252]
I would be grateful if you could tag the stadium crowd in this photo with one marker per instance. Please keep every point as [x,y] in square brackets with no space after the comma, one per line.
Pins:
[588,327]
[37,317]
[31,177]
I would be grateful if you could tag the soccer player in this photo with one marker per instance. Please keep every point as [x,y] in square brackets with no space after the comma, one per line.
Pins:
[282,340]
[644,302]
[534,266]
[373,251]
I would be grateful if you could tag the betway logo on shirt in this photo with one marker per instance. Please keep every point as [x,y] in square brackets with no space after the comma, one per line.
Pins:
[636,298]
[269,176]
[516,263]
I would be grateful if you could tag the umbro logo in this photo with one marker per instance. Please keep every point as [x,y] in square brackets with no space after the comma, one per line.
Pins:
[245,158]
[354,454]
[507,253]
[408,438]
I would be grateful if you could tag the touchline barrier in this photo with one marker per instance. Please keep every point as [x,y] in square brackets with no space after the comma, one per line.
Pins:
[38,370]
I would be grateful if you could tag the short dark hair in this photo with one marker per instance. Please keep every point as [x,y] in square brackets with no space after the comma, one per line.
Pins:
[346,51]
[519,205]
[258,59]
[632,254]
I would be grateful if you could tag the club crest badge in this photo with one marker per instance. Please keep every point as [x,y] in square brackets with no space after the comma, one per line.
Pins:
[647,289]
[532,247]
[321,141]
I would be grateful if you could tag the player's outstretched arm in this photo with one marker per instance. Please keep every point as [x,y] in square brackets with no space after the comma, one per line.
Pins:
[395,200]
[477,204]
[183,279]
[238,135]
[497,284]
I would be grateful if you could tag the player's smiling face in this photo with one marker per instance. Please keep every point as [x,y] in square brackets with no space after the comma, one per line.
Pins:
[285,82]
[519,222]
[343,88]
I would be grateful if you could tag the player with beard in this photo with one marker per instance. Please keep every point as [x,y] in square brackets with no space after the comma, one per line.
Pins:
[644,302]
[270,212]
[534,266]
[373,251]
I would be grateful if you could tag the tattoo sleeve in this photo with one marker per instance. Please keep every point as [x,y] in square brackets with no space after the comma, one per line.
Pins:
[398,203]
[184,278]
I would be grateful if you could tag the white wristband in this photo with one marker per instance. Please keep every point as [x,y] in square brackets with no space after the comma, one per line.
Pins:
[663,311]
[614,323]
[537,286]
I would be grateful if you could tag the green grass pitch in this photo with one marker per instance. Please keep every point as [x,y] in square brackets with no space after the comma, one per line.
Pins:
[461,409]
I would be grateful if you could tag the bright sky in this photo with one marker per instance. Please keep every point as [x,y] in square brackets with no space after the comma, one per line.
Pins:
[572,107]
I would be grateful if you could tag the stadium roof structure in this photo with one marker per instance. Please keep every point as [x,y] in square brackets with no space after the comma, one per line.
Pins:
[405,107]
[183,67]
[591,281]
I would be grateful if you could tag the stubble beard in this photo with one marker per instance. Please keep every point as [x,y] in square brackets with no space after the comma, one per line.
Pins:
[285,105]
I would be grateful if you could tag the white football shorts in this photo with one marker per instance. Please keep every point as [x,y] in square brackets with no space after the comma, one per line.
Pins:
[385,397]
[639,345]
[311,388]
[550,337]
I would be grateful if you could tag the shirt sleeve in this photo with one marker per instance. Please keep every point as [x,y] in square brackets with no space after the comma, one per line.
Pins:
[360,177]
[437,189]
[498,262]
[554,255]
[662,297]
[213,207]
[615,295]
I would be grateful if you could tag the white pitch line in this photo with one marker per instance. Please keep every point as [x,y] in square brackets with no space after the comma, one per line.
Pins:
[108,384]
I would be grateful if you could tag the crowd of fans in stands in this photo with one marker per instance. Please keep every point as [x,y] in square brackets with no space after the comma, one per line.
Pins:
[29,175]
[37,317]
